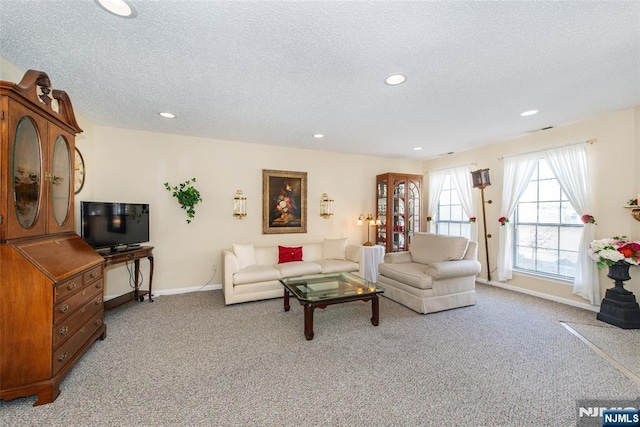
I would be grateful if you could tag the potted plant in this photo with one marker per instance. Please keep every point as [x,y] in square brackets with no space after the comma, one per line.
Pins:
[188,196]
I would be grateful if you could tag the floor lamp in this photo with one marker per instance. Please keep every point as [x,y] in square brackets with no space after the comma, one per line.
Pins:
[480,179]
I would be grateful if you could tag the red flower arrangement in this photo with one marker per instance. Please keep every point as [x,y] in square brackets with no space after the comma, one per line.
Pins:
[588,219]
[609,251]
[429,219]
[472,219]
[503,220]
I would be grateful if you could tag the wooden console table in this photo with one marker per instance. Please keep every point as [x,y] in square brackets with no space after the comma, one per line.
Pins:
[132,255]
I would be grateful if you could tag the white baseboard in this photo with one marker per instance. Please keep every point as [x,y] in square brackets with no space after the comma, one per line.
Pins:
[561,300]
[176,291]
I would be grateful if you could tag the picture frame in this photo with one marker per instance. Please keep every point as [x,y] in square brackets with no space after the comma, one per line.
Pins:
[284,202]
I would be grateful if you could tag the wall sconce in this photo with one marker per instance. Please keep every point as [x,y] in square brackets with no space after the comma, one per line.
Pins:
[634,205]
[239,205]
[480,179]
[326,206]
[370,221]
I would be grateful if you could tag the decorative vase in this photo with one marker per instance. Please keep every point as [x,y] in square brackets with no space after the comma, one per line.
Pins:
[619,306]
[619,272]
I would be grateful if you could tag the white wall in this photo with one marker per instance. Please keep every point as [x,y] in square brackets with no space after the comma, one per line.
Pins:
[614,167]
[131,166]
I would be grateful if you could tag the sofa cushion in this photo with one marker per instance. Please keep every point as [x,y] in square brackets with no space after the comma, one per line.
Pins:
[246,255]
[334,249]
[255,274]
[412,274]
[427,248]
[337,265]
[297,268]
[287,254]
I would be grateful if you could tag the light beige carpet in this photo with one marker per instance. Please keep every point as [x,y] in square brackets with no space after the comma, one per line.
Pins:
[622,345]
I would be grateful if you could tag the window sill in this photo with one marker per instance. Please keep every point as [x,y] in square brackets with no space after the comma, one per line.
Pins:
[557,280]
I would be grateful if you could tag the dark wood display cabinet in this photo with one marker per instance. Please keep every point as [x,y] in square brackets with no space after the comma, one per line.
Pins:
[398,205]
[51,281]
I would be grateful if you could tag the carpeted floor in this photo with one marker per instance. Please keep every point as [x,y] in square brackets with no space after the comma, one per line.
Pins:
[622,345]
[187,360]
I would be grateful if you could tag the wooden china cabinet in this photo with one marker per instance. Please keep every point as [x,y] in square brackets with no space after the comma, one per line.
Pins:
[398,206]
[51,281]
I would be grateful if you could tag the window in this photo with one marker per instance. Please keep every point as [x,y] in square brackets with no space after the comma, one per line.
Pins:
[450,217]
[547,228]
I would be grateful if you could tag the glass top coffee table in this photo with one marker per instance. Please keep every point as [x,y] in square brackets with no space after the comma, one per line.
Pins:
[321,290]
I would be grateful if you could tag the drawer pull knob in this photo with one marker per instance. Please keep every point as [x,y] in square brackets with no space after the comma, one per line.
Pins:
[71,286]
[99,322]
[98,285]
[63,356]
[64,329]
[94,275]
[64,308]
[99,301]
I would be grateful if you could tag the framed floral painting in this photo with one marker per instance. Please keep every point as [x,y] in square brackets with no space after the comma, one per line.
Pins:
[284,202]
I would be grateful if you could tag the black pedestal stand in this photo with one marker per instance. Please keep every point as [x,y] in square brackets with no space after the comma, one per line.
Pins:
[620,309]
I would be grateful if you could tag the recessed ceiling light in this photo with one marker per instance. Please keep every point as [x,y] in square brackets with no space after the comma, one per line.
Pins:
[121,8]
[318,135]
[168,115]
[395,79]
[417,148]
[529,113]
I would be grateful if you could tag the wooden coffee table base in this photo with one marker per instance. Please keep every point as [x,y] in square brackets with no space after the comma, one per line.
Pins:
[309,308]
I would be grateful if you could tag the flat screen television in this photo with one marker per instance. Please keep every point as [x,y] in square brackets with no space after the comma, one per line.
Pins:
[114,226]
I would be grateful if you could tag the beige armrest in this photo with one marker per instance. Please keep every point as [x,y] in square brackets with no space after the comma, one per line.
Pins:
[451,269]
[398,257]
[231,266]
[354,253]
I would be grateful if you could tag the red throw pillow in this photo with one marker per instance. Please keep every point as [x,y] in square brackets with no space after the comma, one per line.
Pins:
[286,254]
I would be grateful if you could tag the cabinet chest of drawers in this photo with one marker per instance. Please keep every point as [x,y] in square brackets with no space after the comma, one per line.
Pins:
[77,315]
[51,281]
[51,312]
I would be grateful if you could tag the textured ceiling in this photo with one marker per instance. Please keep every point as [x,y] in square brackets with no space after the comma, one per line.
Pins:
[276,72]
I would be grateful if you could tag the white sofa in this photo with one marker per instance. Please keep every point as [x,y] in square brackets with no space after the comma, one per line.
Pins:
[437,273]
[253,273]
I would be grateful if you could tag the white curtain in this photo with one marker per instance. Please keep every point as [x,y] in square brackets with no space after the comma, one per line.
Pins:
[569,165]
[517,174]
[436,180]
[461,179]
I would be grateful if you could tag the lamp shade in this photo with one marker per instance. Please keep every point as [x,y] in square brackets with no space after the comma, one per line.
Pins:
[480,178]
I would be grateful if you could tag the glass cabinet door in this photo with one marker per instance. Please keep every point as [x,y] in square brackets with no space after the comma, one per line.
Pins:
[398,207]
[60,180]
[36,159]
[413,209]
[381,230]
[26,173]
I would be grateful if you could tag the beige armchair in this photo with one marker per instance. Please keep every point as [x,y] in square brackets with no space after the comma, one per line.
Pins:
[437,273]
